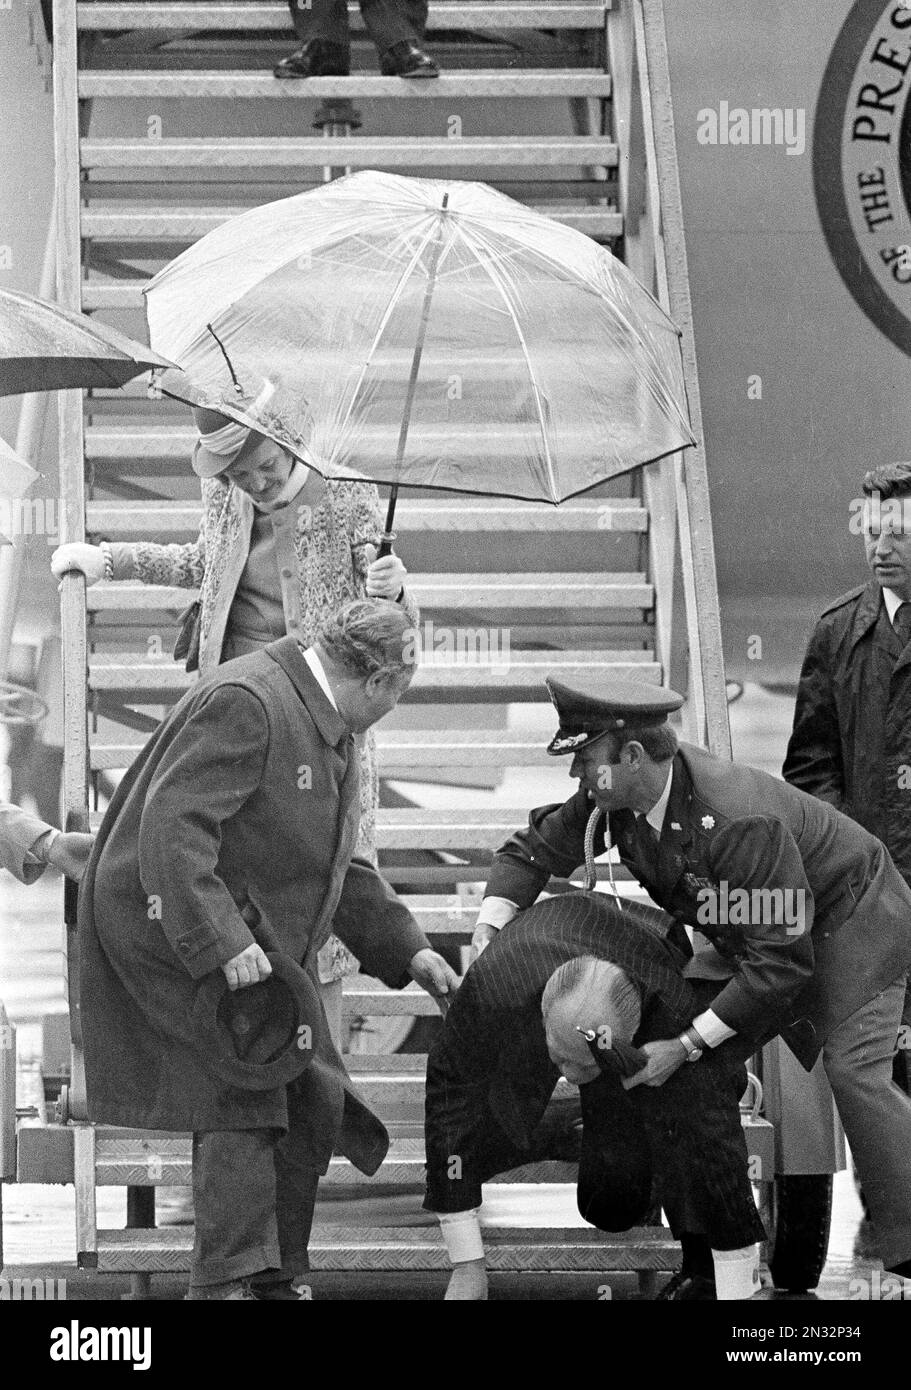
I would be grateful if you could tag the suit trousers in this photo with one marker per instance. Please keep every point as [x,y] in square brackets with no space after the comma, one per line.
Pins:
[876,1114]
[387,21]
[699,1153]
[254,1191]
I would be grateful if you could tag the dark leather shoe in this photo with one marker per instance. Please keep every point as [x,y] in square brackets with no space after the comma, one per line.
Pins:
[687,1288]
[316,59]
[407,60]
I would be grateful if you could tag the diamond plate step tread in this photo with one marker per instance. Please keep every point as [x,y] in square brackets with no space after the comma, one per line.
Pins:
[152,445]
[134,520]
[361,152]
[568,83]
[412,829]
[385,1248]
[437,749]
[184,226]
[251,18]
[164,682]
[474,590]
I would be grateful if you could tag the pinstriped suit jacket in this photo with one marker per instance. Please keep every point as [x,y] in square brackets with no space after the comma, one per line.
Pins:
[489,1076]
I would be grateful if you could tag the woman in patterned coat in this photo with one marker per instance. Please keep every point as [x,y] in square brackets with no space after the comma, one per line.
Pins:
[279,548]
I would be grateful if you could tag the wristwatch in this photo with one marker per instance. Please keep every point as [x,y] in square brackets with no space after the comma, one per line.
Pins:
[694,1049]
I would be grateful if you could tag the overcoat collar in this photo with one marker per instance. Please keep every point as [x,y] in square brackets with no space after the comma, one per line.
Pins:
[288,652]
[867,612]
[866,615]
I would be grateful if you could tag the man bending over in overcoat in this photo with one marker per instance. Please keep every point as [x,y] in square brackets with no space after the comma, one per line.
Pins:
[225,855]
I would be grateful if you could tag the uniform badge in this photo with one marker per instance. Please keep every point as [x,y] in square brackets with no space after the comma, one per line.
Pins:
[697,883]
[565,741]
[708,822]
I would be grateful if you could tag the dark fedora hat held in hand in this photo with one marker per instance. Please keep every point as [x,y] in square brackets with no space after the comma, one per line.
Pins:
[263,1035]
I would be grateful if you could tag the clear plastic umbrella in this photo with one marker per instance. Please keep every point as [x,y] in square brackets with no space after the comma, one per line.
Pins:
[44,347]
[429,333]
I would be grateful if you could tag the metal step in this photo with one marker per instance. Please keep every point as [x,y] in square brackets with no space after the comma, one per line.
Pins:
[475,592]
[357,152]
[447,832]
[544,83]
[397,749]
[141,520]
[416,877]
[543,1249]
[138,679]
[138,449]
[125,1158]
[157,225]
[253,18]
[364,1002]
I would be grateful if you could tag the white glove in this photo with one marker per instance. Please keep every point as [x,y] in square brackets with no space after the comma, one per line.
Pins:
[76,555]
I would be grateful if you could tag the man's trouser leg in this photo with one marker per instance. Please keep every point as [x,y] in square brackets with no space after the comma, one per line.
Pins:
[254,1192]
[416,11]
[696,1138]
[876,1114]
[390,21]
[321,19]
[699,1151]
[234,1202]
[296,1184]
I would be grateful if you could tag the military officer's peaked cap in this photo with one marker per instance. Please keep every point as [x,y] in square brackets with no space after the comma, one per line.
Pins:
[587,713]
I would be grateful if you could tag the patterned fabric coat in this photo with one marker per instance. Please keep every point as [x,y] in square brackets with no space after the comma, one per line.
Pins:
[335,521]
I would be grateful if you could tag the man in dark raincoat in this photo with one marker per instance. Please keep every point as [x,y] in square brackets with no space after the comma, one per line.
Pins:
[851,740]
[232,835]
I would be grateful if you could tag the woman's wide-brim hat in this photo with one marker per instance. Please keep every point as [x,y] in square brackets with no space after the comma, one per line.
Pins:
[253,410]
[262,1035]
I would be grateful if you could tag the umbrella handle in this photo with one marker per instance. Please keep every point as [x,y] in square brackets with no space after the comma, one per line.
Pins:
[388,533]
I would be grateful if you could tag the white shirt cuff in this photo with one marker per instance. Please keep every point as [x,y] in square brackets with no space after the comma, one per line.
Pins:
[711,1029]
[461,1232]
[40,848]
[496,912]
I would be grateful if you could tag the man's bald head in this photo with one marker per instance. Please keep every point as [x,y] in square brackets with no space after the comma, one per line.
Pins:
[587,993]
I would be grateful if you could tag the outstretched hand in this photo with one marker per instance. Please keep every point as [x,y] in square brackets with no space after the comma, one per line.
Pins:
[664,1058]
[434,975]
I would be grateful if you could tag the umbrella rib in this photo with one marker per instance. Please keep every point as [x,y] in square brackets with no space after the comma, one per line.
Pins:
[393,301]
[493,272]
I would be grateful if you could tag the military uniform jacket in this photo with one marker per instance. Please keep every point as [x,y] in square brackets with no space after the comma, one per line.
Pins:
[729,827]
[235,824]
